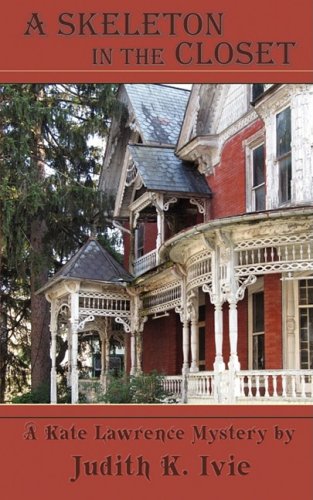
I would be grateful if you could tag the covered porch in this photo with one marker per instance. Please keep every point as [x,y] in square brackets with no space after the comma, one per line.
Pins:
[89,300]
[257,276]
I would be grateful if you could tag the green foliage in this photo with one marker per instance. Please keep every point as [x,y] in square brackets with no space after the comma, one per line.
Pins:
[49,168]
[39,396]
[142,389]
[148,389]
[118,391]
[49,165]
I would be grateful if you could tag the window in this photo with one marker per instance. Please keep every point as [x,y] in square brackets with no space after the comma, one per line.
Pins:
[139,238]
[256,326]
[255,172]
[283,154]
[306,323]
[257,90]
[258,178]
[258,361]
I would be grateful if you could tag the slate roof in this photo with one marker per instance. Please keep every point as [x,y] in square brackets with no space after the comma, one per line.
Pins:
[93,263]
[161,170]
[159,111]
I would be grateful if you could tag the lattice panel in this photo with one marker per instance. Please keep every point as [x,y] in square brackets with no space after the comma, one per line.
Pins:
[286,256]
[103,305]
[275,240]
[105,312]
[162,299]
[199,270]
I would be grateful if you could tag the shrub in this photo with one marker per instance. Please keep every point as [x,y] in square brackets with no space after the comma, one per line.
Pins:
[118,390]
[141,389]
[41,395]
[148,389]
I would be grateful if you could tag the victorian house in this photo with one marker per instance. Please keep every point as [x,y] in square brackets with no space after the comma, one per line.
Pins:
[213,192]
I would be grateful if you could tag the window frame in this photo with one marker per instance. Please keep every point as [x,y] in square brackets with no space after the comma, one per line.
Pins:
[250,145]
[257,287]
[302,307]
[257,93]
[139,250]
[282,158]
[255,188]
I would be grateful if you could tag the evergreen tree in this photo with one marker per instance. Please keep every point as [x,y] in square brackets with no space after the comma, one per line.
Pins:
[49,203]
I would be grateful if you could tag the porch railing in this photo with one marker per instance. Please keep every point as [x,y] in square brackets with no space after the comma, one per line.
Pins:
[201,385]
[246,385]
[145,263]
[173,385]
[276,384]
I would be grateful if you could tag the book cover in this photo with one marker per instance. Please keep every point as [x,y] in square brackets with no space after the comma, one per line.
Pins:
[240,447]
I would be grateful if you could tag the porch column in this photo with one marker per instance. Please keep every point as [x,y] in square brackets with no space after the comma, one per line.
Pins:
[132,354]
[103,367]
[131,242]
[107,354]
[289,351]
[74,335]
[194,342]
[103,356]
[233,335]
[69,349]
[185,368]
[125,353]
[158,203]
[139,353]
[219,364]
[53,378]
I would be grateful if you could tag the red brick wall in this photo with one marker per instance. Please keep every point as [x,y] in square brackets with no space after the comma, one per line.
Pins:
[162,345]
[209,334]
[150,237]
[273,323]
[228,182]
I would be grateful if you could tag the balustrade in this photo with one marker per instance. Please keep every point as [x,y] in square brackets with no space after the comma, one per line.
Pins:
[262,385]
[276,384]
[201,385]
[173,385]
[145,263]
[275,255]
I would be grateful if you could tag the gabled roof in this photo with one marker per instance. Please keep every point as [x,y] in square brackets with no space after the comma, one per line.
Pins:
[161,170]
[91,263]
[159,111]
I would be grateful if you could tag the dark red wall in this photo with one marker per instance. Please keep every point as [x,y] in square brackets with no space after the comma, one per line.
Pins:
[273,323]
[162,345]
[228,182]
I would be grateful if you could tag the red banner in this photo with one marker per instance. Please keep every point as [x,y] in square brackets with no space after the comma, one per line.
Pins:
[78,452]
[223,41]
